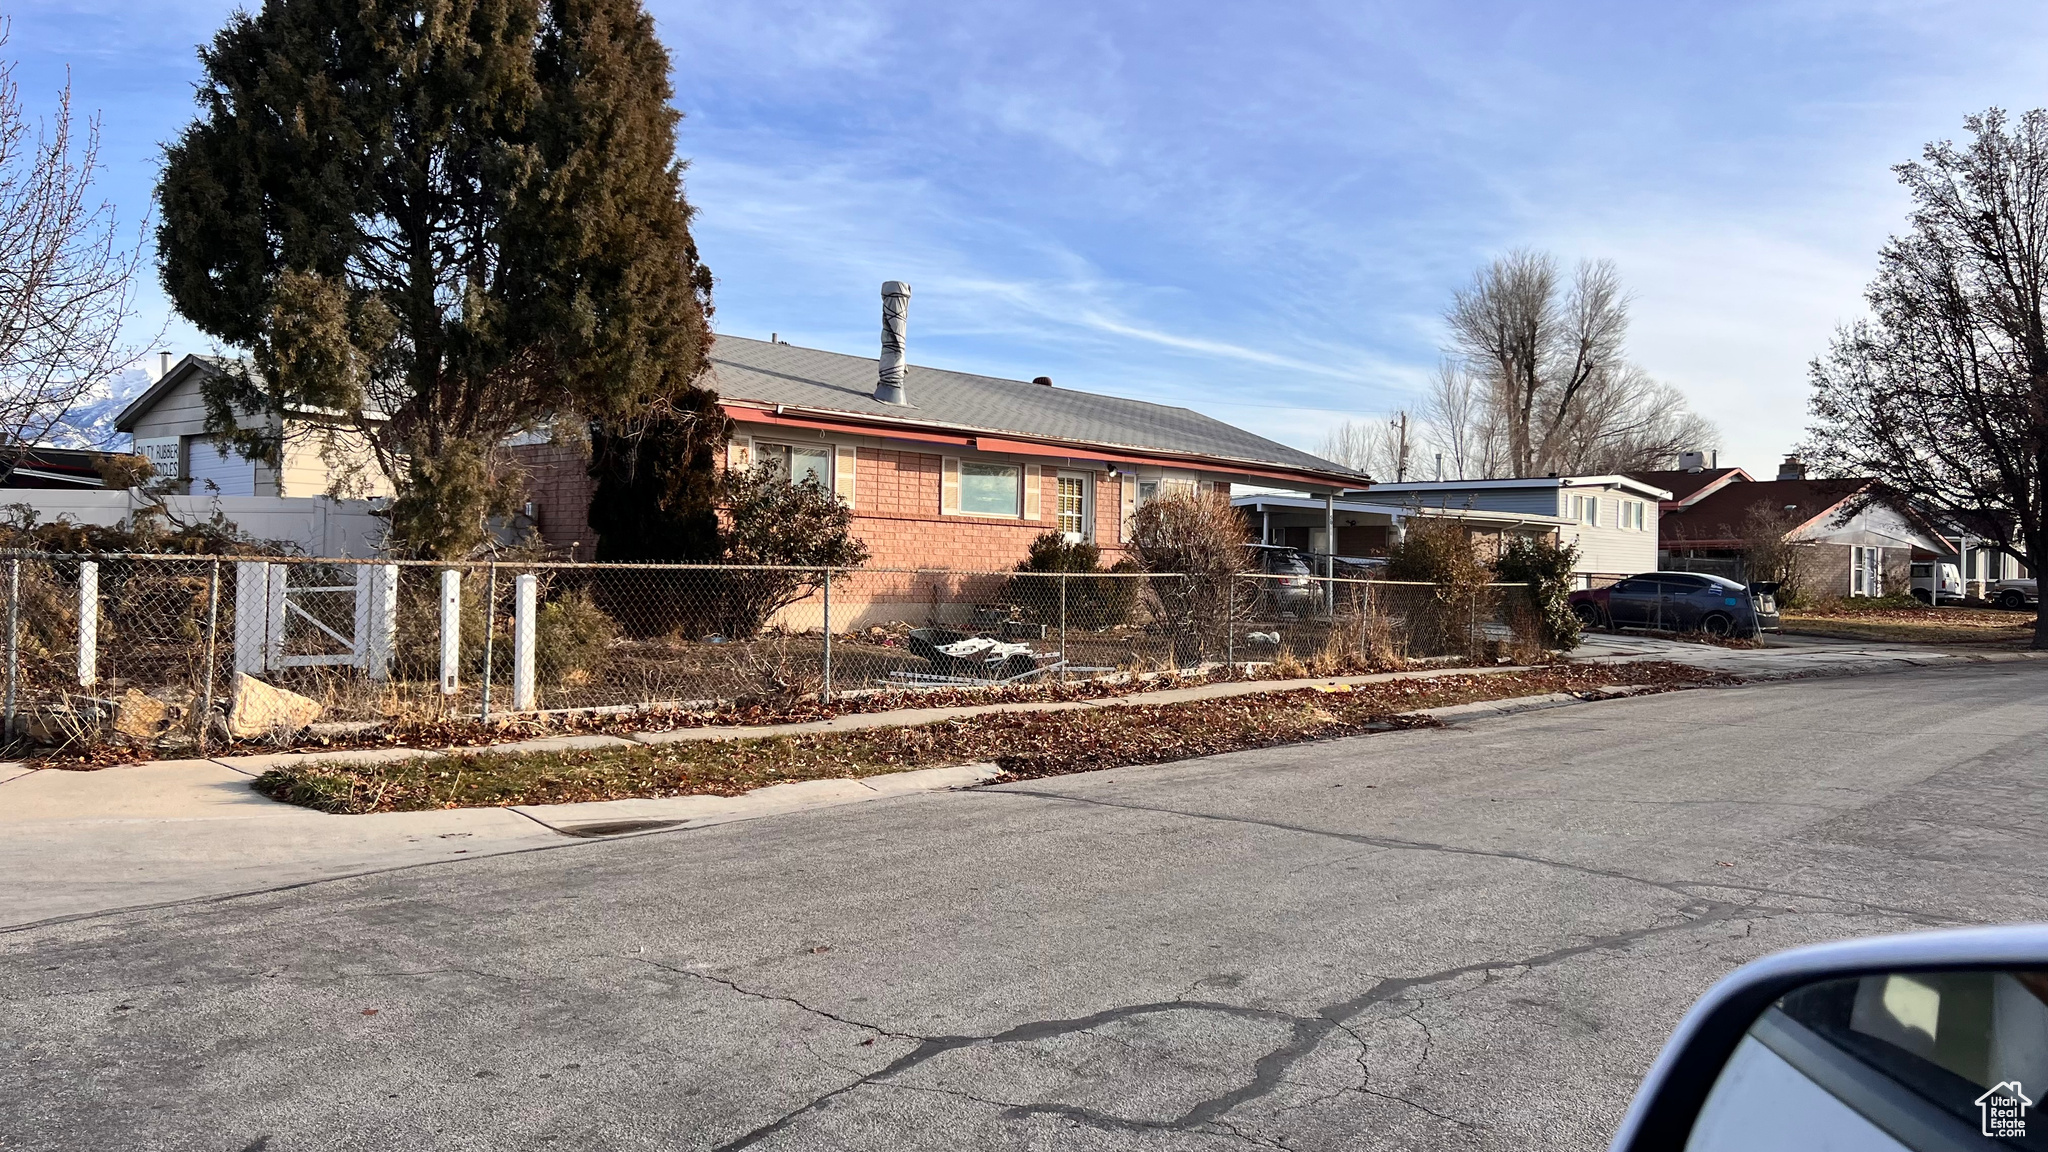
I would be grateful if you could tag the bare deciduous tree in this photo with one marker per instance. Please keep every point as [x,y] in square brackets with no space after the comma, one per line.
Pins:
[65,271]
[1944,391]
[1459,423]
[1541,382]
[1381,448]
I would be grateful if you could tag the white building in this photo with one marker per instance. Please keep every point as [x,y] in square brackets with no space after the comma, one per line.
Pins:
[1611,519]
[321,453]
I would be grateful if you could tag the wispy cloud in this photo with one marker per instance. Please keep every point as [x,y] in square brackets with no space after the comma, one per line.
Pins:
[1256,209]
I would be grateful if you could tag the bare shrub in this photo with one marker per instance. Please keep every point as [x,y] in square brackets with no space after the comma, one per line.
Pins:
[789,527]
[1437,550]
[1194,543]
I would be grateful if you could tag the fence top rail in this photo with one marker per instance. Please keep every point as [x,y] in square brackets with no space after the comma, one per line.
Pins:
[620,566]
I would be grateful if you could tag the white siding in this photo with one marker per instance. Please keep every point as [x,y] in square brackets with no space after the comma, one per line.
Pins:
[320,457]
[179,412]
[1608,547]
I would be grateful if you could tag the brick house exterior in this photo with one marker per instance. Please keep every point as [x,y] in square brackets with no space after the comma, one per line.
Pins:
[967,474]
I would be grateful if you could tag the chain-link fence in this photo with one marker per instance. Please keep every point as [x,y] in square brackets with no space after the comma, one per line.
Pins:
[137,641]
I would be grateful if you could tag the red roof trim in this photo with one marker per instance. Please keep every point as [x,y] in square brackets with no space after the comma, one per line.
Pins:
[855,425]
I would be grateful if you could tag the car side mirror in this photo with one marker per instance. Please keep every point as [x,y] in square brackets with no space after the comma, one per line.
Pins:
[1935,1040]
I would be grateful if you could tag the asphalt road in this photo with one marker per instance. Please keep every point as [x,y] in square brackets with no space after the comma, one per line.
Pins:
[1470,938]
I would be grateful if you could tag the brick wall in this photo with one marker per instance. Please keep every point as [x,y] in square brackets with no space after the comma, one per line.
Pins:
[559,485]
[896,514]
[896,511]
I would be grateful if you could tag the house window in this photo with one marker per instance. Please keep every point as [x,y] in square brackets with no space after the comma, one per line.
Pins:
[1150,490]
[1586,510]
[991,489]
[1866,571]
[794,462]
[1072,509]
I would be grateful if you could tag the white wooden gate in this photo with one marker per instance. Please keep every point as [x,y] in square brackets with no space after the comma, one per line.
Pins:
[280,624]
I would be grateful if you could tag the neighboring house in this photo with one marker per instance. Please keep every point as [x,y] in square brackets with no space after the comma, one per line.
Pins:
[1689,486]
[1981,562]
[320,452]
[1861,537]
[1364,527]
[963,473]
[65,468]
[1612,519]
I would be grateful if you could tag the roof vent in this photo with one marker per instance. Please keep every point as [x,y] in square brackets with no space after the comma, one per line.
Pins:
[1045,380]
[895,321]
[1792,469]
[1692,461]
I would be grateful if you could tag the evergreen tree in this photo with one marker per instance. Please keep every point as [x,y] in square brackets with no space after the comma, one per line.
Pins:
[448,220]
[656,489]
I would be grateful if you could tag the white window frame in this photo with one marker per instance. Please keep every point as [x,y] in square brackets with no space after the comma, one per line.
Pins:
[1016,512]
[1087,481]
[828,479]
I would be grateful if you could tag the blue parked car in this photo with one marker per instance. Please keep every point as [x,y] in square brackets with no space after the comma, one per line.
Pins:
[1680,602]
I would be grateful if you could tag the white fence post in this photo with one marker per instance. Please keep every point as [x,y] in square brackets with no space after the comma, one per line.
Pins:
[88,623]
[376,618]
[451,629]
[252,615]
[525,607]
[273,647]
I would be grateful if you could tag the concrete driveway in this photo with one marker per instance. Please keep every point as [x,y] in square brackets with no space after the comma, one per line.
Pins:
[1473,938]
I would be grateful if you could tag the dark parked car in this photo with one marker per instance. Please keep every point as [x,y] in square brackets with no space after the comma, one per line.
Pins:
[1680,602]
[1286,586]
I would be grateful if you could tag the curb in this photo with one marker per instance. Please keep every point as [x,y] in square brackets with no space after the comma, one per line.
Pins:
[636,816]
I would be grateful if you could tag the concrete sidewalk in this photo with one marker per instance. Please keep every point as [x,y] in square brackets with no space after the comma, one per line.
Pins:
[75,843]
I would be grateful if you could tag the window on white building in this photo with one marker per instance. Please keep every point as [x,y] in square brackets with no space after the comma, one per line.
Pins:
[991,489]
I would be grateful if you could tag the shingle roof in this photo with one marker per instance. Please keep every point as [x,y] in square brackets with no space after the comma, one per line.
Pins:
[1682,483]
[1720,516]
[756,370]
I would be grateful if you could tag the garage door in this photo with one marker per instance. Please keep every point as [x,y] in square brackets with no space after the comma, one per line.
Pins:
[229,473]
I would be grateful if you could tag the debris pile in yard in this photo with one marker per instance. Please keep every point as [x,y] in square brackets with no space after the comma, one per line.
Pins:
[1024,744]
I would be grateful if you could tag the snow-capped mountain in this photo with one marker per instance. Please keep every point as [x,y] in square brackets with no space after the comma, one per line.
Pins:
[91,423]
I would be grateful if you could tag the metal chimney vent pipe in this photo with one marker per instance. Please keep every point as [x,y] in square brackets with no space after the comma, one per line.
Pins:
[895,320]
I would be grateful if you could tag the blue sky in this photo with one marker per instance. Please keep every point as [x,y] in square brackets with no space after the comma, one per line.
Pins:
[1258,211]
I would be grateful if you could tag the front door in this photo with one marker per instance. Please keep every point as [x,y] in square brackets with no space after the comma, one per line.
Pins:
[1072,514]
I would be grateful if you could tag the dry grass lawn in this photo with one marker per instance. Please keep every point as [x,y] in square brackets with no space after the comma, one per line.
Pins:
[1023,744]
[1987,626]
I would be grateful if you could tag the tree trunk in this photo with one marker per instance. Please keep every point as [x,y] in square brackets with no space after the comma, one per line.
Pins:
[2041,628]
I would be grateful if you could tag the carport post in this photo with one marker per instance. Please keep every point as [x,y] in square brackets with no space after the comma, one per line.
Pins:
[1330,556]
